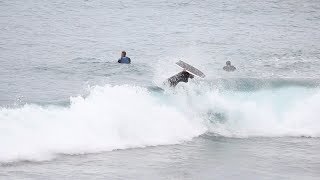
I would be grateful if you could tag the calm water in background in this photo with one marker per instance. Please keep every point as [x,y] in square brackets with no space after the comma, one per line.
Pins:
[243,125]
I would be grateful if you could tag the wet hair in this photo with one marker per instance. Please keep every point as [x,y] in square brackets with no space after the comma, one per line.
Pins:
[228,63]
[124,53]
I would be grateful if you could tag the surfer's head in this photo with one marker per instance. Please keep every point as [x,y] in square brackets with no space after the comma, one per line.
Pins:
[123,54]
[228,63]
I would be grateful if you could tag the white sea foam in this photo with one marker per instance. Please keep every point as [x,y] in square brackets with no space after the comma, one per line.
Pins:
[109,118]
[120,117]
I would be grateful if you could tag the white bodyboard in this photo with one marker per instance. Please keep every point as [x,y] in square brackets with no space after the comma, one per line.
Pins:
[190,69]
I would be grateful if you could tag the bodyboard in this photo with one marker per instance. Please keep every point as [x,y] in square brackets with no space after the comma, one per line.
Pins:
[190,69]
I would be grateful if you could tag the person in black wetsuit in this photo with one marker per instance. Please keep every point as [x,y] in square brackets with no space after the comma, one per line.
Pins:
[180,77]
[229,67]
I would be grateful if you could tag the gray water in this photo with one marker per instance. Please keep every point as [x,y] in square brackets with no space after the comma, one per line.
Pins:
[260,122]
[203,158]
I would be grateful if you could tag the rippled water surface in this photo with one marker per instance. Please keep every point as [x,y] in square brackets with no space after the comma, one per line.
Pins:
[68,110]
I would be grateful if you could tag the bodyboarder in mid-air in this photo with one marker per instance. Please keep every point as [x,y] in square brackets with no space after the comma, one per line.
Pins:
[182,76]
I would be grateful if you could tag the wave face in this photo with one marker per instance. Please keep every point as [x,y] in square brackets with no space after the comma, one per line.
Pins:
[120,117]
[291,111]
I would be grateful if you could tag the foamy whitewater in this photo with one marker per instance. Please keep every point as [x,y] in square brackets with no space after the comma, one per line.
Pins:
[120,117]
[103,121]
[68,110]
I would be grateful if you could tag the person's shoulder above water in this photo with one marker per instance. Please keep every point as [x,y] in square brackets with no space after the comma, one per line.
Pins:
[124,59]
[228,67]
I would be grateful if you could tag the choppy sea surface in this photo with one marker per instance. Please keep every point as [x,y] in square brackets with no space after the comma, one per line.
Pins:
[68,110]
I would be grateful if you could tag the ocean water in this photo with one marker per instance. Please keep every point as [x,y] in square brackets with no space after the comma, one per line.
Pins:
[68,110]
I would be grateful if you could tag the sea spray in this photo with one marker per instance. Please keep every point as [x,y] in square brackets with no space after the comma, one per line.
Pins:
[120,117]
[109,118]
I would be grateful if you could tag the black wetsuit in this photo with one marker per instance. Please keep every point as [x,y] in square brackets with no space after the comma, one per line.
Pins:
[229,68]
[181,76]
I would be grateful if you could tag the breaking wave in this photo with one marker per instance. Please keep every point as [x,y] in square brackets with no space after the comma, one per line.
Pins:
[120,117]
